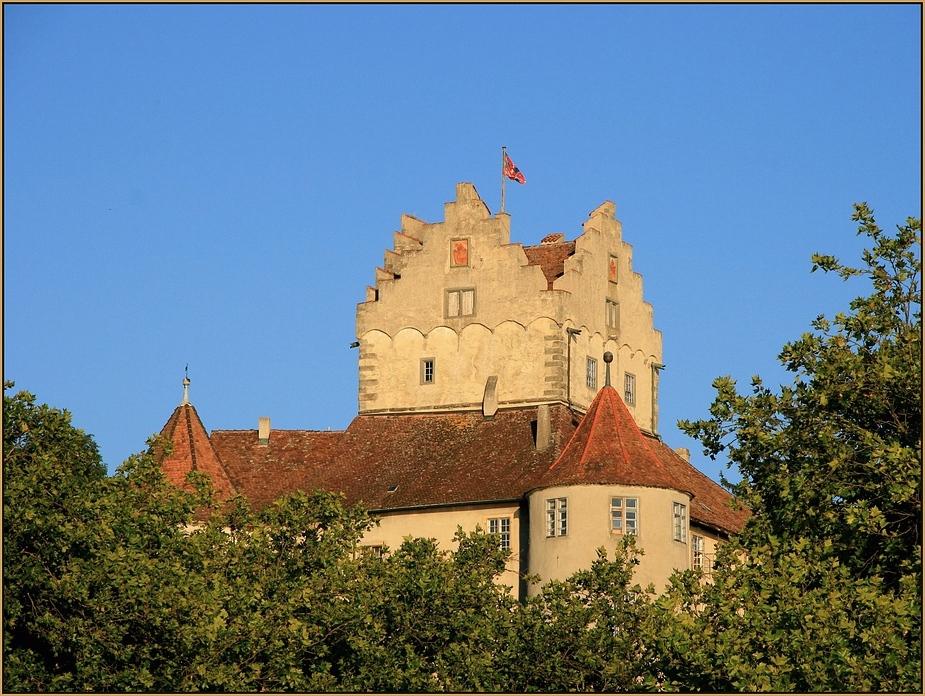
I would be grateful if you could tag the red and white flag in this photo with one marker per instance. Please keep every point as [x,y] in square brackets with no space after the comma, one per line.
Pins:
[512,172]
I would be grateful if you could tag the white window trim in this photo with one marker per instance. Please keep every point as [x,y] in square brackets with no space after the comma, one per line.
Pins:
[629,389]
[591,373]
[679,514]
[624,517]
[433,370]
[556,517]
[502,527]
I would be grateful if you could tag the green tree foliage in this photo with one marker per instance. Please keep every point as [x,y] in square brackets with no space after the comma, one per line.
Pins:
[595,631]
[822,589]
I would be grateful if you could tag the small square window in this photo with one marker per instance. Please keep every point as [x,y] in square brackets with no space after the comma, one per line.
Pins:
[427,371]
[629,389]
[460,303]
[591,376]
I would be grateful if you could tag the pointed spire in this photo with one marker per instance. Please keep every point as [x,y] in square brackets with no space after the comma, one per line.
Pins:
[186,384]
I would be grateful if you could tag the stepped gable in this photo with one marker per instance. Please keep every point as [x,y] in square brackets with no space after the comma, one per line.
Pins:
[609,448]
[550,255]
[192,451]
[443,459]
[291,460]
[712,505]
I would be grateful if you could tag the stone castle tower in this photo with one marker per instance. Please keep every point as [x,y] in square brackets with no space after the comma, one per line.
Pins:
[461,319]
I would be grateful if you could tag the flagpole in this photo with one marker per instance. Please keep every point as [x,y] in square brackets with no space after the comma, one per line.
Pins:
[503,154]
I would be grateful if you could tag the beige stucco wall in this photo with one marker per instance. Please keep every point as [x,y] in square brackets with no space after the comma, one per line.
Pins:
[556,558]
[441,524]
[518,331]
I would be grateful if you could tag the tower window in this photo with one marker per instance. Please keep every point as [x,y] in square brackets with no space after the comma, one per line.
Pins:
[680,522]
[629,389]
[556,517]
[613,315]
[460,303]
[624,518]
[591,377]
[427,371]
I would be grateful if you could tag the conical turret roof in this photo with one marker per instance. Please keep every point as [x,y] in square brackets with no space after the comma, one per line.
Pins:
[609,448]
[192,451]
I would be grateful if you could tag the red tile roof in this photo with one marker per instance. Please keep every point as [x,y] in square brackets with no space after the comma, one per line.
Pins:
[551,257]
[609,448]
[192,451]
[292,460]
[441,459]
[432,459]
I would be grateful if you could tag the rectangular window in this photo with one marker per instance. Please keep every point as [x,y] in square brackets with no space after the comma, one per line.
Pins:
[556,517]
[502,527]
[613,315]
[460,303]
[427,371]
[680,522]
[371,551]
[697,552]
[629,389]
[624,515]
[591,377]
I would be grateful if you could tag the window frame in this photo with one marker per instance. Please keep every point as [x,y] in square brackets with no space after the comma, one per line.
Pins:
[556,517]
[629,388]
[591,373]
[626,522]
[459,303]
[697,552]
[679,521]
[499,524]
[432,363]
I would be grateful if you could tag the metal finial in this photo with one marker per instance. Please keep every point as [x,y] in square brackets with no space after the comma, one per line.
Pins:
[608,358]
[185,390]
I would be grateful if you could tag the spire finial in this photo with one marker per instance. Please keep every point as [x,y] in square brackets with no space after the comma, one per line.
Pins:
[608,358]
[185,385]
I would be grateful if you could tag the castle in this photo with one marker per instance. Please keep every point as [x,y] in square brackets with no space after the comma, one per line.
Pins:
[509,387]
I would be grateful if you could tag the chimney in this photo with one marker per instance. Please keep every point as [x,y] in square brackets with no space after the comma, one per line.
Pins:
[683,452]
[263,431]
[543,427]
[490,398]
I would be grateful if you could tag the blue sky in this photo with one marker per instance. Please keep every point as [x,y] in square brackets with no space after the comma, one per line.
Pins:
[215,185]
